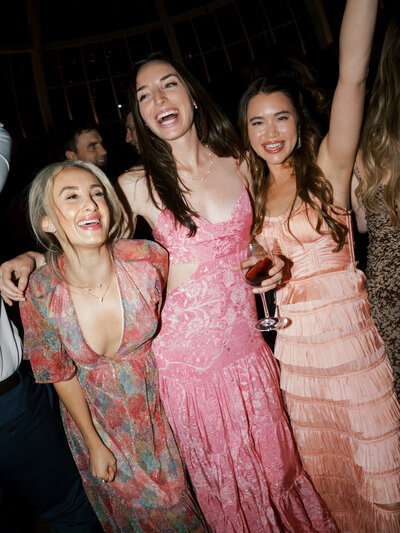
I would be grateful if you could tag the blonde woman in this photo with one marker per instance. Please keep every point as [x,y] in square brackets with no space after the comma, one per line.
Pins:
[89,320]
[376,196]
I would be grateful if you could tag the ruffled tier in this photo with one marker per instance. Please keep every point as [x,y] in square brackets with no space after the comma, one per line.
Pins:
[238,447]
[339,394]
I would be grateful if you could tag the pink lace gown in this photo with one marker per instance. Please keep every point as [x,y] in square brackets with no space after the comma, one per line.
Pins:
[336,377]
[220,388]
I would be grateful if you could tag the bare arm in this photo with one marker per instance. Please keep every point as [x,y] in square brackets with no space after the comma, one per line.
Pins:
[18,269]
[338,150]
[102,463]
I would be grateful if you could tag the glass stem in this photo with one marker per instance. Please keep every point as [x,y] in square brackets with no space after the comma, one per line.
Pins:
[264,302]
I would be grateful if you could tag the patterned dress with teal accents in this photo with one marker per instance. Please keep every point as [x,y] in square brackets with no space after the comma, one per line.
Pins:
[150,492]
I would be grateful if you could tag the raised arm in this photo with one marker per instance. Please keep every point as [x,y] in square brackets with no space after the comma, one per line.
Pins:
[338,150]
[102,463]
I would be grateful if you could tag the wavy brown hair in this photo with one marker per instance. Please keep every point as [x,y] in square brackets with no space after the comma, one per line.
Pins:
[213,128]
[311,185]
[380,138]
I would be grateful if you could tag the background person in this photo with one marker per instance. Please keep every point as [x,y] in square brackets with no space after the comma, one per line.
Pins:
[376,196]
[85,143]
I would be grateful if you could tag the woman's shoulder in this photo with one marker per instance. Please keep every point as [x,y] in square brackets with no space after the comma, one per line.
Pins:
[42,282]
[132,177]
[132,250]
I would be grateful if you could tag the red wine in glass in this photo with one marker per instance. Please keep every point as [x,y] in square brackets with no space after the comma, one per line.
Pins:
[255,264]
[256,274]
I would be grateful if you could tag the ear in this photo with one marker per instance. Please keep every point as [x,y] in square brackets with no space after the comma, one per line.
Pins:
[47,225]
[71,156]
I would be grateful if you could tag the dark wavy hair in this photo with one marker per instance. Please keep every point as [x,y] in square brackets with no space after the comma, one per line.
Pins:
[311,185]
[213,129]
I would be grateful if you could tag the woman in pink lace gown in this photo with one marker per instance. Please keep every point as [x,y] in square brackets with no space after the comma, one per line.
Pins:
[336,377]
[218,379]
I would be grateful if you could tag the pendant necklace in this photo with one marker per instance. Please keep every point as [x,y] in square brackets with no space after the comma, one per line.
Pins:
[98,286]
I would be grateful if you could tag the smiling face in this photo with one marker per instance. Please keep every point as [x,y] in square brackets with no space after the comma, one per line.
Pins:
[81,210]
[164,100]
[272,127]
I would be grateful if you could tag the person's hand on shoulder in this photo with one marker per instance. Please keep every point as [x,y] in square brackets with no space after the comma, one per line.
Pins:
[14,275]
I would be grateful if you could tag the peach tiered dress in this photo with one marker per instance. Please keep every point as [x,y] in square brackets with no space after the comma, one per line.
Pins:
[336,377]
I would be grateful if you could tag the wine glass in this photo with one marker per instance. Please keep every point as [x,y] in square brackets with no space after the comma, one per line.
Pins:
[255,263]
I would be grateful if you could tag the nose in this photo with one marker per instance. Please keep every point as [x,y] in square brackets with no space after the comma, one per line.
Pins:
[101,150]
[128,137]
[271,129]
[160,96]
[90,203]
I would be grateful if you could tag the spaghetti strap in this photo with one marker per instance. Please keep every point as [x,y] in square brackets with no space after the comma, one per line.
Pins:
[245,184]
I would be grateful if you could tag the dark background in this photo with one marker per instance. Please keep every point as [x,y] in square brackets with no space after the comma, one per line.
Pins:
[63,61]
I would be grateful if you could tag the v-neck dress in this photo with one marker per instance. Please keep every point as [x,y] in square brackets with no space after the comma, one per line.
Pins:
[219,384]
[149,492]
[336,376]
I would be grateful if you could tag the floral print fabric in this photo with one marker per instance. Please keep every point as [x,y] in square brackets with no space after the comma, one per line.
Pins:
[149,493]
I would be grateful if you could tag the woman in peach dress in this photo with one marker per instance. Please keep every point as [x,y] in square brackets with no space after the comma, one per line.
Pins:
[336,377]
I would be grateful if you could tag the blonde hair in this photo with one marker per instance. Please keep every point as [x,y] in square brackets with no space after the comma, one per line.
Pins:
[41,204]
[380,140]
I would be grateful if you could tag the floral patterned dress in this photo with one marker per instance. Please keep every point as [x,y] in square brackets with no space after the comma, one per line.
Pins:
[149,492]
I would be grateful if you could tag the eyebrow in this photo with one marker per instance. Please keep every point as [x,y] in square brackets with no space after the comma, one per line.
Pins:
[284,112]
[161,79]
[74,188]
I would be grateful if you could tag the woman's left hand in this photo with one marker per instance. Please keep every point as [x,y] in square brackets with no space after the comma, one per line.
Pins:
[275,276]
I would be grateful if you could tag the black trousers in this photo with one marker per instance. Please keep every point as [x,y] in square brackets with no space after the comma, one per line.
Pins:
[35,457]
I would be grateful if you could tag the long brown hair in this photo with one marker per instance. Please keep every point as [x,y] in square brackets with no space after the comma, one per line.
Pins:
[311,185]
[213,128]
[380,139]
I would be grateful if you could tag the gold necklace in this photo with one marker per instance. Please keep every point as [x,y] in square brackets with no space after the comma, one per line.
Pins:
[209,170]
[97,286]
[100,298]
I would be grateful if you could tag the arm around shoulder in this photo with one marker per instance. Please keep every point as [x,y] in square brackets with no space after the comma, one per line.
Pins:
[18,270]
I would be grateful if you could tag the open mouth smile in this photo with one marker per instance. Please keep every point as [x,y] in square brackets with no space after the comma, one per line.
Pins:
[273,148]
[167,118]
[90,223]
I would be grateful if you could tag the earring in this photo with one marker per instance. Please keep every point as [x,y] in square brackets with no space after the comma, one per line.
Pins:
[298,138]
[195,106]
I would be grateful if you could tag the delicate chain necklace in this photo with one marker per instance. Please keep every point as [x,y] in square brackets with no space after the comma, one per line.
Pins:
[209,170]
[100,298]
[97,286]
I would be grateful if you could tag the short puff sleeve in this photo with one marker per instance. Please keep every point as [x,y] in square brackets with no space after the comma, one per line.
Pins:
[42,344]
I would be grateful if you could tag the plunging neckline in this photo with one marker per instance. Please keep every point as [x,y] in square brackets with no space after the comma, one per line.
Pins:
[82,335]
